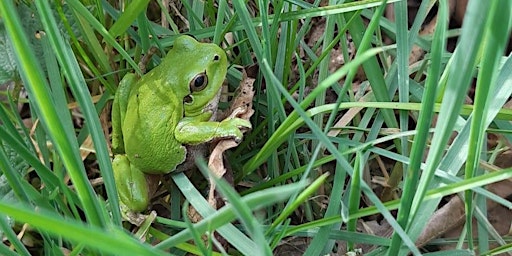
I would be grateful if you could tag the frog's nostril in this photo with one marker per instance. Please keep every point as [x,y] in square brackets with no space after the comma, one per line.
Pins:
[216,57]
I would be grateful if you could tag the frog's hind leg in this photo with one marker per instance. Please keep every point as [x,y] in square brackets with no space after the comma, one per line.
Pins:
[131,184]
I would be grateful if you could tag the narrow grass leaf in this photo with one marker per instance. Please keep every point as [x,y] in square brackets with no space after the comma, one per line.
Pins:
[81,93]
[243,212]
[355,195]
[427,104]
[460,74]
[499,250]
[37,87]
[341,160]
[280,134]
[303,196]
[454,157]
[113,240]
[493,46]
[232,234]
[130,13]
[8,232]
[217,219]
[86,15]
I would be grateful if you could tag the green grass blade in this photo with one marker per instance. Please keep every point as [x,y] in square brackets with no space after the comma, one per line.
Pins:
[216,219]
[494,44]
[112,240]
[232,234]
[499,250]
[419,144]
[438,193]
[86,15]
[243,212]
[11,236]
[130,13]
[458,149]
[37,87]
[77,84]
[341,160]
[303,196]
[460,73]
[362,37]
[354,196]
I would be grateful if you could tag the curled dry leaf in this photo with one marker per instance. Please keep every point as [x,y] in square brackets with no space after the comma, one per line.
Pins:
[449,219]
[241,107]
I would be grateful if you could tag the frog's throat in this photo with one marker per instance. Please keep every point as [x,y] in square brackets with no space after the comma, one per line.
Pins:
[211,107]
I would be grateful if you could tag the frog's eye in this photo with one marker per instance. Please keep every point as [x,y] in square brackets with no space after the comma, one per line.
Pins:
[199,82]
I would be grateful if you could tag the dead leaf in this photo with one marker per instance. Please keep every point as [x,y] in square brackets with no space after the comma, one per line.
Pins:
[241,107]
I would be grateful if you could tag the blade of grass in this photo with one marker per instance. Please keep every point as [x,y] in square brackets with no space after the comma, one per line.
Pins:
[362,37]
[218,219]
[279,136]
[323,67]
[448,189]
[334,9]
[402,61]
[355,196]
[494,45]
[196,235]
[100,61]
[311,229]
[9,234]
[113,240]
[86,15]
[47,176]
[239,240]
[130,13]
[81,93]
[242,210]
[454,157]
[218,34]
[303,196]
[13,176]
[499,250]
[418,147]
[37,87]
[333,208]
[460,75]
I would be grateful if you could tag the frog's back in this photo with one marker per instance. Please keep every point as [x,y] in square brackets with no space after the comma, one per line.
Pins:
[158,100]
[151,145]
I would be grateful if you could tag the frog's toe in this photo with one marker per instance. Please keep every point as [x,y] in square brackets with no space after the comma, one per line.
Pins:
[247,124]
[242,123]
[237,135]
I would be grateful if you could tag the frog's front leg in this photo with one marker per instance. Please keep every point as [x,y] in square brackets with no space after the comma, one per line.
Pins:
[194,131]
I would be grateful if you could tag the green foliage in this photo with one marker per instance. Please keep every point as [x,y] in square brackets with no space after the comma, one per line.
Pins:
[302,172]
[7,62]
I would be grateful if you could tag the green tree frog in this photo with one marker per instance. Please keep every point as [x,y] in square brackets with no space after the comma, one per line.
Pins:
[155,117]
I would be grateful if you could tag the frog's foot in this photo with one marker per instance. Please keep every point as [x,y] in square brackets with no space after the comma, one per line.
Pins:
[234,127]
[143,222]
[135,218]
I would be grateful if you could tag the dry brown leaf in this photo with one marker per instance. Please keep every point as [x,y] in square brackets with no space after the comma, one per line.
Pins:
[241,107]
[449,219]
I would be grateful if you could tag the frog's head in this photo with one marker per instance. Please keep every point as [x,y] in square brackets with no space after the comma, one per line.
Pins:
[206,71]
